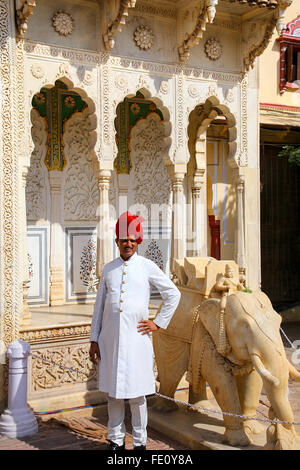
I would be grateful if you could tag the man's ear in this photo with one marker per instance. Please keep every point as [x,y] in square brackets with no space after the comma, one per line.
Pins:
[116,240]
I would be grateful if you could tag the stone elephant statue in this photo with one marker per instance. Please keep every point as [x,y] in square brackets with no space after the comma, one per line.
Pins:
[245,346]
[236,349]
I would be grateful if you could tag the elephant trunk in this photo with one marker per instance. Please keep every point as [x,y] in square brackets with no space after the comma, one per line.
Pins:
[294,373]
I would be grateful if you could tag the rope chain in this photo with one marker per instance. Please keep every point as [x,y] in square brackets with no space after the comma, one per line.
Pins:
[186,404]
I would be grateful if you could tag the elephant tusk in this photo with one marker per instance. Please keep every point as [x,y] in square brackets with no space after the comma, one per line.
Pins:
[264,373]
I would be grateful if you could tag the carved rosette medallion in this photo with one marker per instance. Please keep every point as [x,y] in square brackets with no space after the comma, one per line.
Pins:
[121,82]
[37,71]
[213,48]
[63,23]
[143,37]
[193,91]
[164,87]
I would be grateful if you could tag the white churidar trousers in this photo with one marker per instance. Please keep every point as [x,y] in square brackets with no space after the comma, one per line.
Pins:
[139,418]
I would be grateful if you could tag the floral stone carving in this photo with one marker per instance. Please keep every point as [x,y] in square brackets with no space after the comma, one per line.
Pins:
[143,37]
[63,23]
[213,49]
[88,265]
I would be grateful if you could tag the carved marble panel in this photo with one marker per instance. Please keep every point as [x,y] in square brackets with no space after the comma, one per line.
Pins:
[80,185]
[147,147]
[81,252]
[47,375]
[38,254]
[37,177]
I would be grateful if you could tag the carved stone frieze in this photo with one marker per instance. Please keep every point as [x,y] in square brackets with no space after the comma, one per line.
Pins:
[59,333]
[41,50]
[150,9]
[47,373]
[45,50]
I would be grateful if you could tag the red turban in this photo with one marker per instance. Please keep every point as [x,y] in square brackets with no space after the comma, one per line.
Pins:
[130,225]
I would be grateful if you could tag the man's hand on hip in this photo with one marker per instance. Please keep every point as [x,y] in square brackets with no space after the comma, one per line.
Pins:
[94,352]
[146,326]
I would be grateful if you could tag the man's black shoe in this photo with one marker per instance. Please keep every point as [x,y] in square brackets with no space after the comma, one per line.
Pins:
[139,448]
[113,446]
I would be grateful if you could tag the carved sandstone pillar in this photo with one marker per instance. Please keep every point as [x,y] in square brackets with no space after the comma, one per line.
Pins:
[104,252]
[26,315]
[57,291]
[199,223]
[240,222]
[177,249]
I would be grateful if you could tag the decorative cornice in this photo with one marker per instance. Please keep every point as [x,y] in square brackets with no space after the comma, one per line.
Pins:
[146,9]
[57,333]
[80,56]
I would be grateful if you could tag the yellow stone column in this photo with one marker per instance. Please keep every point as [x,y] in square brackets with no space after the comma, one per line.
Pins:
[177,248]
[104,251]
[57,290]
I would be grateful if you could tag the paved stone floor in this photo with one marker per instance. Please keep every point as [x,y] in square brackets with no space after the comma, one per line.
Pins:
[53,435]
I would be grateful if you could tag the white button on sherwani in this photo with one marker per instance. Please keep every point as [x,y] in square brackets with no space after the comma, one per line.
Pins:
[126,365]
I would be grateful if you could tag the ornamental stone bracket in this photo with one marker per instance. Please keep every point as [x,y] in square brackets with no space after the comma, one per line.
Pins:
[256,37]
[257,29]
[24,8]
[206,15]
[116,26]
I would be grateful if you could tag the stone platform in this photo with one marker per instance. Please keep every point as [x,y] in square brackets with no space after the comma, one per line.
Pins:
[61,335]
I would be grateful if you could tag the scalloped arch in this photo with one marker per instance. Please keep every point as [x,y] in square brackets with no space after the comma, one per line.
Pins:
[165,122]
[90,107]
[200,119]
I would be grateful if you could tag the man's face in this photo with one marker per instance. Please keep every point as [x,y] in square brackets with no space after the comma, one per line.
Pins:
[127,246]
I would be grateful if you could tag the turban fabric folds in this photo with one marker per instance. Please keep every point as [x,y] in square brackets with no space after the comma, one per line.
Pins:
[130,225]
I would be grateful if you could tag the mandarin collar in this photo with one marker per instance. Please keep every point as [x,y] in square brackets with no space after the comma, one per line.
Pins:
[134,256]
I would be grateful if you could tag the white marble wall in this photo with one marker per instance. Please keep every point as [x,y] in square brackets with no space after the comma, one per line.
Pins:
[104,81]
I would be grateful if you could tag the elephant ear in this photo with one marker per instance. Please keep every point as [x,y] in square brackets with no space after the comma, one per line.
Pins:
[209,312]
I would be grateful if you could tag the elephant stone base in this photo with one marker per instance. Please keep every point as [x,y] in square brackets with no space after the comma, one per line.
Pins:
[203,431]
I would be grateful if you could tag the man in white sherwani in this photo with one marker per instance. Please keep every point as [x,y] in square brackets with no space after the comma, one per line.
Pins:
[120,332]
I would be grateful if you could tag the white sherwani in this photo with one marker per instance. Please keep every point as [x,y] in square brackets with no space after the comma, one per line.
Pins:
[126,365]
